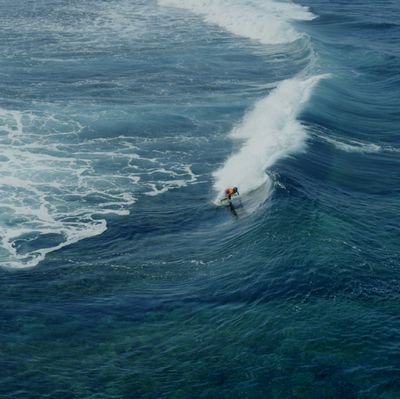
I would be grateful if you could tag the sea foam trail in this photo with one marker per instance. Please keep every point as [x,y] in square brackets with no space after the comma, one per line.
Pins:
[56,187]
[266,21]
[270,131]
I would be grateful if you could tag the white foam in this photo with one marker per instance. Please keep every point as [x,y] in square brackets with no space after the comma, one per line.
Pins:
[180,179]
[101,25]
[264,21]
[269,132]
[71,235]
[56,186]
[13,126]
[354,146]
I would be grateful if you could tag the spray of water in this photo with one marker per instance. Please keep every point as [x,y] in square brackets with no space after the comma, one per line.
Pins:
[269,132]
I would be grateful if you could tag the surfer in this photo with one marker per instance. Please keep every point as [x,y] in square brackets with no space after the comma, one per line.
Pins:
[229,193]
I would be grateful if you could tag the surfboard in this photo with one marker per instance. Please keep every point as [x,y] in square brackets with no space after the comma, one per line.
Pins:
[247,202]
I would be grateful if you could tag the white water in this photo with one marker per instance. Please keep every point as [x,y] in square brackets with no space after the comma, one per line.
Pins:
[56,186]
[265,21]
[270,131]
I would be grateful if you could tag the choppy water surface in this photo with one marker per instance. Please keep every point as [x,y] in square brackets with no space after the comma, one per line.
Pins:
[122,122]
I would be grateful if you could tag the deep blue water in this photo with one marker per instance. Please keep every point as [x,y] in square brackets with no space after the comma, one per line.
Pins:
[121,123]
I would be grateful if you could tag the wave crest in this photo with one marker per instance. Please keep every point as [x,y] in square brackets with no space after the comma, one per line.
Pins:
[266,22]
[270,132]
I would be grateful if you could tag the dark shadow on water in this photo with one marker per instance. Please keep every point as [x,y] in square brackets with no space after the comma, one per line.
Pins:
[233,210]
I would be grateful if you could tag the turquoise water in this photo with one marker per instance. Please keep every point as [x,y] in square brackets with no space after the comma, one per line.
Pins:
[122,122]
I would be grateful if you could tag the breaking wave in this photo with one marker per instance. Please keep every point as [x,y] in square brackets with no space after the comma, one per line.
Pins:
[269,132]
[267,22]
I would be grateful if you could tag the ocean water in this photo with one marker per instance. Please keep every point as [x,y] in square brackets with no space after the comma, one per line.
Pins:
[121,123]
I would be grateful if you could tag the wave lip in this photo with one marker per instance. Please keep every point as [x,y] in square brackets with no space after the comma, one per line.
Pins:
[270,132]
[266,22]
